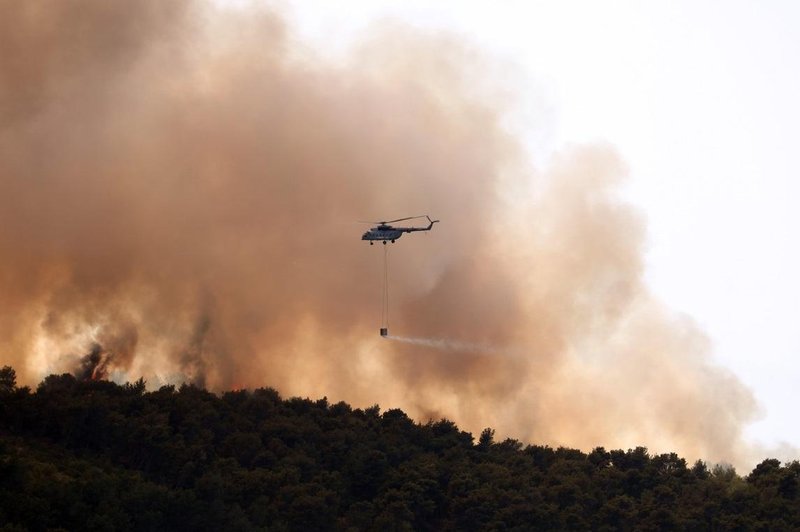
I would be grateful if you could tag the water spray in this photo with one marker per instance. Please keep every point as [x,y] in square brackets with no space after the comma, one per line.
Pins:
[445,344]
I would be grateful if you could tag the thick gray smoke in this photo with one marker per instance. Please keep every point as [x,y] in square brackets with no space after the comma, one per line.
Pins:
[177,183]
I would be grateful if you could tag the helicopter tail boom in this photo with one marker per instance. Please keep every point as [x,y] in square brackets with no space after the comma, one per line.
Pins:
[412,229]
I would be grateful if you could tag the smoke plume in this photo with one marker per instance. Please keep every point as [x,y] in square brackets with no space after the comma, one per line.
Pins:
[177,186]
[93,366]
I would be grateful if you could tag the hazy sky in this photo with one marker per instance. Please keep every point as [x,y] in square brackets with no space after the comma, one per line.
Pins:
[700,100]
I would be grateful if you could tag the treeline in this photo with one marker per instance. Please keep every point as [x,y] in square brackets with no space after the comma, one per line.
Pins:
[95,455]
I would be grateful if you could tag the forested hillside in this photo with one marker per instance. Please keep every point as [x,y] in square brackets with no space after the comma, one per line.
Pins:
[95,455]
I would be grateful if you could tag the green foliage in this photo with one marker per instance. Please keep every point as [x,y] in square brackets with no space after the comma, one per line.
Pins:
[8,380]
[486,439]
[99,456]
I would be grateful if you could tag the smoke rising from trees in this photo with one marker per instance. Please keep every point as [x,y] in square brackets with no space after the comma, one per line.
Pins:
[177,185]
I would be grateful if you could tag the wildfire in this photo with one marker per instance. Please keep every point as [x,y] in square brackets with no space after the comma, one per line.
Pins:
[94,366]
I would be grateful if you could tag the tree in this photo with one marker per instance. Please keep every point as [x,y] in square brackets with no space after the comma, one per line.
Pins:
[487,438]
[194,460]
[724,472]
[8,380]
[767,472]
[700,470]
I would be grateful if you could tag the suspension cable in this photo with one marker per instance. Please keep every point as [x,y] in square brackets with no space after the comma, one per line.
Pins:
[385,295]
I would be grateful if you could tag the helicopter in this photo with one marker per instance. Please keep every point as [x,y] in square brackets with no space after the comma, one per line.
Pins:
[383,231]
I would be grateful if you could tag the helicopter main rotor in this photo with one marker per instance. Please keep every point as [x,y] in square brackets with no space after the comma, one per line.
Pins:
[384,222]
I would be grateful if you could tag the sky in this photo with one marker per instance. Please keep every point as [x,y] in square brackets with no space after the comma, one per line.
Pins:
[700,101]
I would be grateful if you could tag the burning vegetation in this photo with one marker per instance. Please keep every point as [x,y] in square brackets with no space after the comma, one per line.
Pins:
[94,366]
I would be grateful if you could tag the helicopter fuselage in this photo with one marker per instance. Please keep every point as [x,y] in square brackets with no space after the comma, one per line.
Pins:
[383,231]
[379,233]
